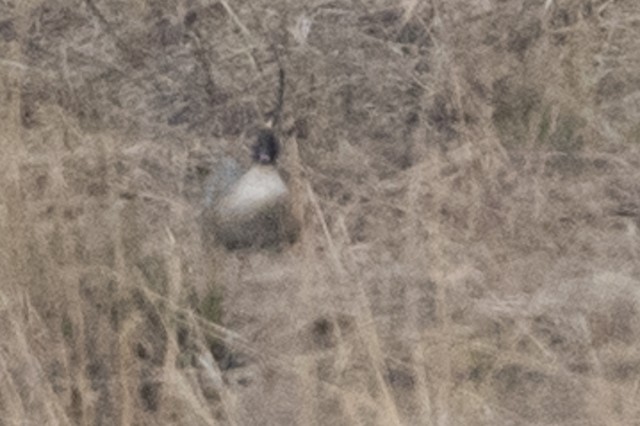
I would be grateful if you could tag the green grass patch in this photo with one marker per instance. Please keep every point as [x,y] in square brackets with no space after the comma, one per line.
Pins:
[66,326]
[211,305]
[566,137]
[544,129]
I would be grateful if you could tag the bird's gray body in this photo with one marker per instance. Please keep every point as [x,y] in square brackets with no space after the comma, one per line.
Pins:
[252,211]
[225,173]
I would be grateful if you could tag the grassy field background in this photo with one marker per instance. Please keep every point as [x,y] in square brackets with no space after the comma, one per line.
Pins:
[467,176]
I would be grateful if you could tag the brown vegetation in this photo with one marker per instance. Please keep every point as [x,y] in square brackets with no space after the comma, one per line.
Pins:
[467,176]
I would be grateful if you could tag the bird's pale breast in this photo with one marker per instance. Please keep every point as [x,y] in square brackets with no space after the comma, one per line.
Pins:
[259,189]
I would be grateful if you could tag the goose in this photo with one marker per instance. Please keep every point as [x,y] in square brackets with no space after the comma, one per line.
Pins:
[254,210]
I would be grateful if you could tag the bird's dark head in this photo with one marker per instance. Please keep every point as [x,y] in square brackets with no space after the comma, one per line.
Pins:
[266,149]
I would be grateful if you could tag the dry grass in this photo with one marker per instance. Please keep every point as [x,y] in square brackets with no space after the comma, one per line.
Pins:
[467,175]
